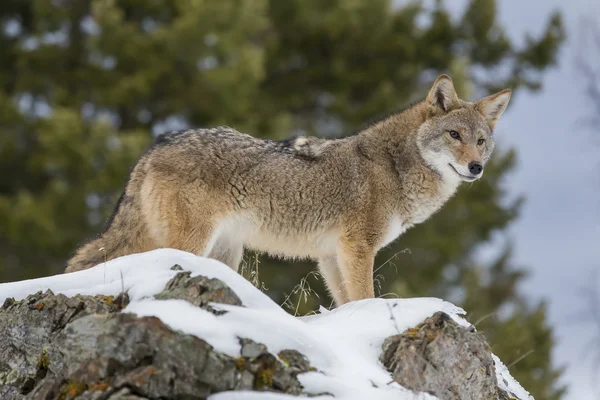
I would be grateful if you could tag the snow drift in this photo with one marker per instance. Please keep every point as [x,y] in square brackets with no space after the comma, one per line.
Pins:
[343,346]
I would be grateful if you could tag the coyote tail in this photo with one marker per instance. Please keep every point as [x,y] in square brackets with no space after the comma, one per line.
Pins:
[124,234]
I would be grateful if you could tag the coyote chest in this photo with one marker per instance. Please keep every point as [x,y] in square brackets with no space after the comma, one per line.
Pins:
[395,227]
[423,206]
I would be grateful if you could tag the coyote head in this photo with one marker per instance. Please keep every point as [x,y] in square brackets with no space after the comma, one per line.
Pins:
[456,138]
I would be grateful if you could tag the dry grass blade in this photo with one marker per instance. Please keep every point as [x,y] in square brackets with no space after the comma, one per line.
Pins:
[389,260]
[303,290]
[103,250]
[249,270]
[512,364]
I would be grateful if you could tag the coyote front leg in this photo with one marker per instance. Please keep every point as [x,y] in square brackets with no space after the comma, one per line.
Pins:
[356,260]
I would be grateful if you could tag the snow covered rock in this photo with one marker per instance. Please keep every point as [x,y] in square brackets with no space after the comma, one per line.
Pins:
[443,358]
[71,348]
[168,324]
[98,356]
[199,291]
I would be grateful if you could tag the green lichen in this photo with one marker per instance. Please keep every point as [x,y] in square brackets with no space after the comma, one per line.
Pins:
[412,332]
[108,300]
[416,331]
[240,363]
[12,377]
[264,377]
[43,362]
[284,360]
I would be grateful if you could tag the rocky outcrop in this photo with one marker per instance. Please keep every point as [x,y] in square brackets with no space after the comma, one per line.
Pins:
[55,347]
[87,347]
[200,291]
[110,356]
[443,358]
[28,327]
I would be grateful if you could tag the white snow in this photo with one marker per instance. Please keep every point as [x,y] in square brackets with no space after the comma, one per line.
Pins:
[343,344]
[142,276]
[245,395]
[507,383]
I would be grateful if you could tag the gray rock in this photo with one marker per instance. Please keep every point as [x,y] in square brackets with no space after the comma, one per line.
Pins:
[28,326]
[294,359]
[252,350]
[200,291]
[83,347]
[104,354]
[442,358]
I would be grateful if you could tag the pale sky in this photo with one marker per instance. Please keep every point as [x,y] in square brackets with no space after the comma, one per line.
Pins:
[558,235]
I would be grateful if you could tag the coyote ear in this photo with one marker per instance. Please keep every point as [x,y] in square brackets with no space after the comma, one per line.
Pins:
[442,96]
[492,107]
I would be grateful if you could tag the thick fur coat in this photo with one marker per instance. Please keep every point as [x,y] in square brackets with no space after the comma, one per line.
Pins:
[214,192]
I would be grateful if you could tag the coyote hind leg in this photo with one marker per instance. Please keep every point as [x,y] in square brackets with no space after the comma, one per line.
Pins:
[180,226]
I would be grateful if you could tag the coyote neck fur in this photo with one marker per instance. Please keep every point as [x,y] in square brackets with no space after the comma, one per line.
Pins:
[417,189]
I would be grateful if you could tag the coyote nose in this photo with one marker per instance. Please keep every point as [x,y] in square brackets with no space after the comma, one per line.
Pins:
[475,167]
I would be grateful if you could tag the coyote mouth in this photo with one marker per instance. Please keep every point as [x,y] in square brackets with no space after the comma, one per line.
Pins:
[463,177]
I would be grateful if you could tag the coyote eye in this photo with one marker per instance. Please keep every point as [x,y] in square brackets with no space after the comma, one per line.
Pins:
[480,142]
[454,135]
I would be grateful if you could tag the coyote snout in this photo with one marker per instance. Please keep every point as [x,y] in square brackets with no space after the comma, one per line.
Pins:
[215,192]
[469,165]
[469,155]
[470,176]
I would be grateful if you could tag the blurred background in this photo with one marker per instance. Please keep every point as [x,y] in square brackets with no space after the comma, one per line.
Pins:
[85,85]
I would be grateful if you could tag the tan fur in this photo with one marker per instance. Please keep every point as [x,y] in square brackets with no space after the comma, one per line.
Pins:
[214,192]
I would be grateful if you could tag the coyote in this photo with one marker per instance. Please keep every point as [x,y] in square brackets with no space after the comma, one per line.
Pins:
[214,192]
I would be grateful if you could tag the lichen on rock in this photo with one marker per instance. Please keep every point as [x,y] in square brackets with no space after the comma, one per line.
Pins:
[27,328]
[90,347]
[84,347]
[442,358]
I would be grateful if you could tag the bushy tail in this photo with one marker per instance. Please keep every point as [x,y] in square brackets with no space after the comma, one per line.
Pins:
[125,234]
[90,254]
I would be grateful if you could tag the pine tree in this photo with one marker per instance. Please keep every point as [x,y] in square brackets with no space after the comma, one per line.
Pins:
[85,84]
